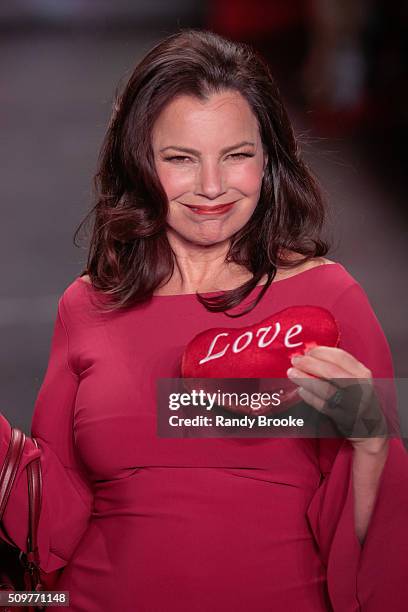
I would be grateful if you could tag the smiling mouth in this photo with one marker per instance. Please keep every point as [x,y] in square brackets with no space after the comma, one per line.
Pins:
[210,210]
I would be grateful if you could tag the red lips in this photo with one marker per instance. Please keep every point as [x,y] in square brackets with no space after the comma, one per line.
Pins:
[211,210]
[262,350]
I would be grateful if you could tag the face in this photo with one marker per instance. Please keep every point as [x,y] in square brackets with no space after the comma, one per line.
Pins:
[210,161]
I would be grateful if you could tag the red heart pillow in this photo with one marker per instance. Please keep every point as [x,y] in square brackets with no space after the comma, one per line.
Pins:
[262,350]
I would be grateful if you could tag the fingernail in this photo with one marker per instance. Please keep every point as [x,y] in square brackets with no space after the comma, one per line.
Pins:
[295,359]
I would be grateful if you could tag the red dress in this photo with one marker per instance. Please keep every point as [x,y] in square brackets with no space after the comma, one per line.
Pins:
[201,525]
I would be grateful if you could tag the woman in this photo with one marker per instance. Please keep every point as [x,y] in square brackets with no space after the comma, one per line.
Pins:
[201,188]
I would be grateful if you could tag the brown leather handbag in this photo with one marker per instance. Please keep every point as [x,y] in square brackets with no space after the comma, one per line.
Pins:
[19,570]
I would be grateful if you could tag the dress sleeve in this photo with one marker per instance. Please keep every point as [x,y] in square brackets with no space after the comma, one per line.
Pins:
[67,496]
[371,577]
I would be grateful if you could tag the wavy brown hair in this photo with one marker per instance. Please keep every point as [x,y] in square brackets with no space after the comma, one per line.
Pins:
[129,254]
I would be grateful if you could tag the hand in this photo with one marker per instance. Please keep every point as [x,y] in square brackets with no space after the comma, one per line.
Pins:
[350,401]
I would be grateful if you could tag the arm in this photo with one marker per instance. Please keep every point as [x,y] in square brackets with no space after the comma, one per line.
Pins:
[358,514]
[367,469]
[315,372]
[64,483]
[363,337]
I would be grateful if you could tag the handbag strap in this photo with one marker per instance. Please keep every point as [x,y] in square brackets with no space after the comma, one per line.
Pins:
[10,466]
[34,481]
[34,495]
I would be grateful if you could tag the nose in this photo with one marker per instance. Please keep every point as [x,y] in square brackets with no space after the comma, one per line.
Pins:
[210,180]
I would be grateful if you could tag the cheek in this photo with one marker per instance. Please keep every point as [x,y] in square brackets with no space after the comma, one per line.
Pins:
[175,182]
[247,179]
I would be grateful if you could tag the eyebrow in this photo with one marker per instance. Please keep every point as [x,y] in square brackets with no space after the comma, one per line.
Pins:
[195,152]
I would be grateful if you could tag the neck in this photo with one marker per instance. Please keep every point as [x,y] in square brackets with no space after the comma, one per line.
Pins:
[202,268]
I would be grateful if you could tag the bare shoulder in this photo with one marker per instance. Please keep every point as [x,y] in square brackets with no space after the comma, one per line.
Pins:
[85,279]
[292,256]
[321,261]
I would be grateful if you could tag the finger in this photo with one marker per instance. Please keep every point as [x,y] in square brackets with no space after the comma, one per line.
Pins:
[318,367]
[297,373]
[322,388]
[346,361]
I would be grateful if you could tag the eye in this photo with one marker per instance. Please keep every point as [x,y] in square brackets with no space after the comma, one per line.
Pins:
[241,155]
[177,158]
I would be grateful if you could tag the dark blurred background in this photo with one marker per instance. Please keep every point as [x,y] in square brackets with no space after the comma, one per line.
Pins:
[342,68]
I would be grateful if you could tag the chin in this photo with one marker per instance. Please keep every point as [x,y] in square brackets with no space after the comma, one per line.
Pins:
[207,232]
[206,240]
[207,236]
